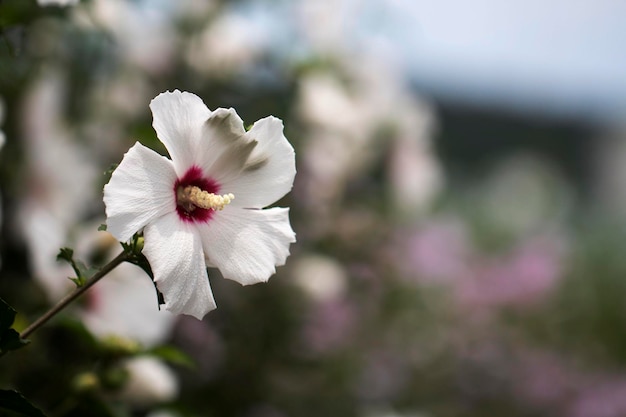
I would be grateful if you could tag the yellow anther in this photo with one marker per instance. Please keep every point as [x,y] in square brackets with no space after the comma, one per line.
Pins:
[191,197]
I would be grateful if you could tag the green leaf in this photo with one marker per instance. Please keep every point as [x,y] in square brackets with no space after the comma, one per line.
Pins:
[102,227]
[13,404]
[82,271]
[110,171]
[172,355]
[66,254]
[14,12]
[7,315]
[9,338]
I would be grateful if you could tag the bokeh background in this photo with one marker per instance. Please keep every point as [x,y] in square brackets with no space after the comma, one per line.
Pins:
[460,207]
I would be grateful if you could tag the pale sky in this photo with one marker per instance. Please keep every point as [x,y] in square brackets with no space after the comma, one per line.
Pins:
[559,56]
[556,57]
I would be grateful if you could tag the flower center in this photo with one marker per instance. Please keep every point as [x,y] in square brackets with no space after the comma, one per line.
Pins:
[197,197]
[190,197]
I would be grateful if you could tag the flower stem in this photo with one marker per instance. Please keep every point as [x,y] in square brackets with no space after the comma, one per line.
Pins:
[75,294]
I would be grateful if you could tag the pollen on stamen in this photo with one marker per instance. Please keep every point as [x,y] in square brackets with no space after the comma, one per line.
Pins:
[190,197]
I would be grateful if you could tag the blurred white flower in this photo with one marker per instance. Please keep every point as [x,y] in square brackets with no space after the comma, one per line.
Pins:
[57,2]
[61,181]
[142,31]
[414,174]
[226,46]
[326,23]
[326,102]
[185,222]
[124,303]
[526,194]
[149,382]
[353,116]
[321,277]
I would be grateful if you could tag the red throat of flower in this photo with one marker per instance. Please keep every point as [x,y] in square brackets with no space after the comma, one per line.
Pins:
[189,210]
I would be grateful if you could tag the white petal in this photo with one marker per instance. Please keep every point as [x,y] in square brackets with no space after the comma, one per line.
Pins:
[225,147]
[140,190]
[247,244]
[174,250]
[178,118]
[270,169]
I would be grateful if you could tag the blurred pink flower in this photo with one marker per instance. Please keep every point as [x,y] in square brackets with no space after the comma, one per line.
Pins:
[384,375]
[544,379]
[202,343]
[438,252]
[549,381]
[329,326]
[605,399]
[521,279]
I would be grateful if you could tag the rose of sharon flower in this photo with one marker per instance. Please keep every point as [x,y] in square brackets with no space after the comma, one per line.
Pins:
[205,205]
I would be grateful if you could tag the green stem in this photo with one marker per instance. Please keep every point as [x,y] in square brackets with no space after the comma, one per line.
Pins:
[124,256]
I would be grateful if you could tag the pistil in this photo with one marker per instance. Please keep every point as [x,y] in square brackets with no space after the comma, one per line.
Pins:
[190,197]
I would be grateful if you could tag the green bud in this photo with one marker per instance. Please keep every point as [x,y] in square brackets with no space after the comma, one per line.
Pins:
[114,378]
[121,346]
[86,381]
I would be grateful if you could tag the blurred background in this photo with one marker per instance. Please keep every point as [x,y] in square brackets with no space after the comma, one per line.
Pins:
[460,207]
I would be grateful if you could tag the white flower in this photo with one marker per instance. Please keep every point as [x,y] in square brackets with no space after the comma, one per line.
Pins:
[321,277]
[204,206]
[150,381]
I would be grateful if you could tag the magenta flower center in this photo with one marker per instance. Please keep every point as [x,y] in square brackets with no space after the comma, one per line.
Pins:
[186,210]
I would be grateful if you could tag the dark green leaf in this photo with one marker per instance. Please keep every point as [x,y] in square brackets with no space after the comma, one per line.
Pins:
[78,281]
[13,12]
[11,340]
[102,228]
[83,273]
[13,404]
[66,254]
[109,171]
[7,315]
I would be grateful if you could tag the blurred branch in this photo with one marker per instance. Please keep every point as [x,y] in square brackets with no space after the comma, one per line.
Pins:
[122,257]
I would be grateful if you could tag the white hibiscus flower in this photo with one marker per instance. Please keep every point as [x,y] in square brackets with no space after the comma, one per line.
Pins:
[204,206]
